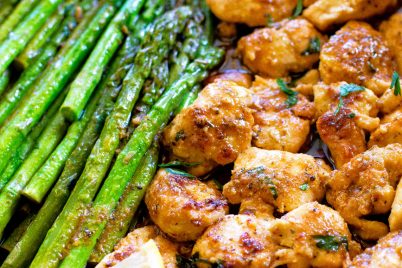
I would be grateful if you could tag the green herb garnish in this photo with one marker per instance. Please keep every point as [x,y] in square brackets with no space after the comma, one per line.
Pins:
[272,187]
[314,47]
[298,10]
[270,20]
[345,90]
[180,135]
[330,242]
[179,172]
[292,95]
[177,163]
[396,84]
[352,115]
[256,170]
[304,186]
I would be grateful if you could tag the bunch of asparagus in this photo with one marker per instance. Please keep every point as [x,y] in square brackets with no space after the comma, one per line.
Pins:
[79,124]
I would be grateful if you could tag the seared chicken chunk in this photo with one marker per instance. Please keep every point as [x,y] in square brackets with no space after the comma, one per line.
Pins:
[305,84]
[237,241]
[182,207]
[282,179]
[386,254]
[278,126]
[341,125]
[293,47]
[389,131]
[240,78]
[325,13]
[357,54]
[257,207]
[214,129]
[395,218]
[252,12]
[392,32]
[314,235]
[365,186]
[133,242]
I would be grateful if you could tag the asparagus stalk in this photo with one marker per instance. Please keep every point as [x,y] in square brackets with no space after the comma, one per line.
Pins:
[129,158]
[26,248]
[25,30]
[49,86]
[90,75]
[11,193]
[45,177]
[4,79]
[33,49]
[189,98]
[29,76]
[17,233]
[20,11]
[102,154]
[23,151]
[119,223]
[5,11]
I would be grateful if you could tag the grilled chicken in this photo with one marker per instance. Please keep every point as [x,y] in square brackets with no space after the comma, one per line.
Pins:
[276,52]
[183,207]
[389,131]
[357,54]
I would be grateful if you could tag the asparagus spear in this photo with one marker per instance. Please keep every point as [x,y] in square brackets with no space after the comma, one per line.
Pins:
[22,9]
[102,154]
[25,30]
[90,75]
[28,77]
[23,151]
[50,84]
[189,98]
[33,48]
[5,11]
[130,157]
[17,233]
[119,223]
[11,193]
[4,79]
[26,248]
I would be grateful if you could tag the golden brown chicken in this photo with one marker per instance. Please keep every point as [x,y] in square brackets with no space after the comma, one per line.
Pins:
[386,254]
[366,186]
[255,206]
[238,241]
[276,52]
[325,13]
[357,54]
[183,207]
[133,242]
[214,129]
[282,179]
[392,31]
[342,125]
[395,218]
[313,235]
[252,12]
[278,126]
[305,84]
[389,131]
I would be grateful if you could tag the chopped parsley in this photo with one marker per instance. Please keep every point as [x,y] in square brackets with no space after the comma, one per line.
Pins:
[313,47]
[272,187]
[256,171]
[179,172]
[180,135]
[345,90]
[330,242]
[292,95]
[352,115]
[396,84]
[177,163]
[270,20]
[304,186]
[298,10]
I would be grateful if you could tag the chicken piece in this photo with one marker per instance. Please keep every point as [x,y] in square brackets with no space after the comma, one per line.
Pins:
[395,218]
[214,129]
[343,131]
[278,126]
[357,54]
[386,254]
[252,12]
[181,207]
[133,242]
[389,131]
[240,78]
[276,52]
[392,31]
[325,13]
[388,102]
[365,186]
[238,241]
[282,179]
[305,85]
[258,208]
[314,235]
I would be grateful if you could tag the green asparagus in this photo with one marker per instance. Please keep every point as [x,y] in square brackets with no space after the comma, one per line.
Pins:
[49,86]
[25,30]
[90,75]
[119,223]
[189,98]
[17,233]
[4,79]
[130,157]
[5,11]
[20,11]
